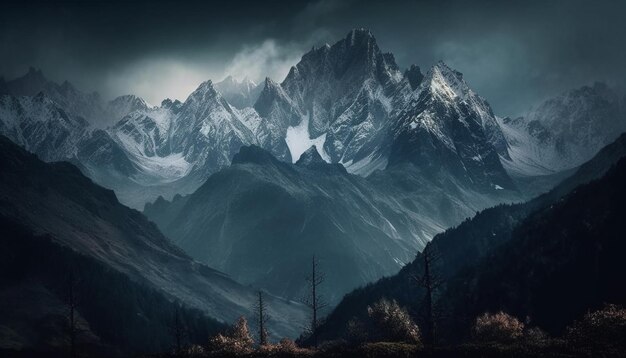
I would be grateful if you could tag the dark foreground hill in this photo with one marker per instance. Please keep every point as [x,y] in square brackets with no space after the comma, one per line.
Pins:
[56,221]
[550,259]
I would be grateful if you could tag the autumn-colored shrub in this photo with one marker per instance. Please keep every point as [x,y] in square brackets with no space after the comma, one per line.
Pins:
[236,341]
[605,327]
[391,323]
[286,347]
[499,327]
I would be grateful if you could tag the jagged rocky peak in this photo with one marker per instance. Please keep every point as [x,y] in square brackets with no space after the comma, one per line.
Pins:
[446,82]
[172,105]
[29,84]
[272,92]
[360,37]
[271,85]
[206,91]
[240,94]
[130,101]
[414,75]
[564,131]
[268,93]
[253,154]
[310,157]
[122,106]
[361,46]
[357,56]
[231,81]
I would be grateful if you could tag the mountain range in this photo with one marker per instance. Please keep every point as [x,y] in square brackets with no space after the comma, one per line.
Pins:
[349,158]
[56,201]
[349,98]
[362,228]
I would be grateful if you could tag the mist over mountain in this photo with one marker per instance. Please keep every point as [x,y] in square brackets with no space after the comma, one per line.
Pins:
[350,99]
[308,205]
[274,215]
[565,131]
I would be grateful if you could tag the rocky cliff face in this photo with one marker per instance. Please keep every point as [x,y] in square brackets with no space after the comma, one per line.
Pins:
[565,131]
[350,100]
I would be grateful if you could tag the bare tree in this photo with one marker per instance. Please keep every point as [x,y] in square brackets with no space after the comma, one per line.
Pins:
[315,301]
[262,317]
[71,303]
[431,282]
[178,328]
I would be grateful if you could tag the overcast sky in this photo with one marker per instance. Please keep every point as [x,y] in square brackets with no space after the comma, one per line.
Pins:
[512,53]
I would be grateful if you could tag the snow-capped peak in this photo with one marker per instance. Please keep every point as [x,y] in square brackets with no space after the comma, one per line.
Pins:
[360,35]
[310,156]
[272,93]
[129,101]
[272,86]
[206,91]
[174,105]
[446,82]
[240,94]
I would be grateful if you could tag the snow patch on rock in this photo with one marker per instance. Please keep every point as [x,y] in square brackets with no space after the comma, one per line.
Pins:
[299,140]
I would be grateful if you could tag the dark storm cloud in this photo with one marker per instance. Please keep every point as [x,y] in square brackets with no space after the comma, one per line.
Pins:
[512,53]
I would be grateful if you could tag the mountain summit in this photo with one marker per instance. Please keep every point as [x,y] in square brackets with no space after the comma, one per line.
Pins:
[349,99]
[310,157]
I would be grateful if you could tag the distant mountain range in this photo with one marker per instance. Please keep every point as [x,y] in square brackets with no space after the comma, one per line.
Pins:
[350,99]
[348,158]
[564,132]
[261,218]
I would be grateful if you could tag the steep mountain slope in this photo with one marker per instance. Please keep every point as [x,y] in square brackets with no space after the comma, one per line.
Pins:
[466,246]
[208,131]
[86,105]
[175,147]
[366,114]
[115,315]
[274,216]
[346,91]
[350,100]
[565,131]
[121,106]
[447,127]
[57,200]
[148,151]
[240,94]
[561,262]
[41,126]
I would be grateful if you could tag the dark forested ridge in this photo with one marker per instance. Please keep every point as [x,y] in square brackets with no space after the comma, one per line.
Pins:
[562,261]
[52,216]
[468,252]
[117,316]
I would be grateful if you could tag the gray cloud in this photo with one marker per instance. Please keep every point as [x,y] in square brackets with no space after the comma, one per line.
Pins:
[266,59]
[512,53]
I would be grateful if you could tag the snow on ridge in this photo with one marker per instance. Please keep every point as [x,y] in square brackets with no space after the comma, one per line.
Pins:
[299,140]
[367,165]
